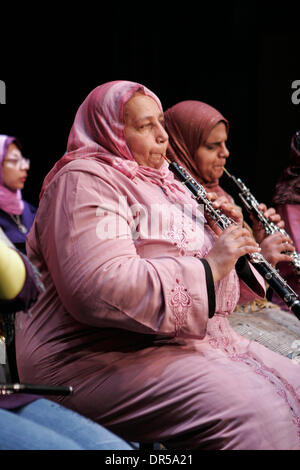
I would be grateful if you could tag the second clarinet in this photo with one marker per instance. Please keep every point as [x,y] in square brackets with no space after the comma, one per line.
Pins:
[251,204]
[278,284]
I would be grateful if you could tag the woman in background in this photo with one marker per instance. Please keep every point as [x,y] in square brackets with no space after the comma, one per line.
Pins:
[16,215]
[286,200]
[197,140]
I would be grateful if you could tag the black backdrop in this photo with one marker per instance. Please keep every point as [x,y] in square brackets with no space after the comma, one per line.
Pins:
[240,56]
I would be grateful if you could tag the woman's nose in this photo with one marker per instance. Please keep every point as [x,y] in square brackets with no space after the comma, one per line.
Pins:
[162,135]
[224,152]
[24,165]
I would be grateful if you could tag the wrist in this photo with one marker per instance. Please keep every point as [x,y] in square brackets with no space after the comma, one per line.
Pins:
[213,267]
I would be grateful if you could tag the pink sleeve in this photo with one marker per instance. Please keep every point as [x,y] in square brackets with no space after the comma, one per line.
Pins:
[290,213]
[104,282]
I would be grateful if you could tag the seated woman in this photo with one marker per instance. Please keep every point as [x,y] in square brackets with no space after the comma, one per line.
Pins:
[138,290]
[286,200]
[16,215]
[197,140]
[29,422]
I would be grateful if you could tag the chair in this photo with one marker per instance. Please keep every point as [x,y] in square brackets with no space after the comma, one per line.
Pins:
[13,384]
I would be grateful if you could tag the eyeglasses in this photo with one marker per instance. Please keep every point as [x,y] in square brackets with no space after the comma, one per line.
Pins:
[17,161]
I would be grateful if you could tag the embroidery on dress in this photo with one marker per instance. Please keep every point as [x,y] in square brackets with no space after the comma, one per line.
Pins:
[281,385]
[180,302]
[178,237]
[181,232]
[200,254]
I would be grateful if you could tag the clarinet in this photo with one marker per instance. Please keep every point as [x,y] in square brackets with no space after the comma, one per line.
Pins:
[280,286]
[251,204]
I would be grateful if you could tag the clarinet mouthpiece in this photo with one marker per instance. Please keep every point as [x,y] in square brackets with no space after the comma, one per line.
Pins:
[226,171]
[169,161]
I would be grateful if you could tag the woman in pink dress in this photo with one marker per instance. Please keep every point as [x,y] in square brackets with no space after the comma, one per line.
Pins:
[138,290]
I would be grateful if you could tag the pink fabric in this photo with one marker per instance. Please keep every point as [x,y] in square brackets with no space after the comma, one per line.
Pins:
[98,132]
[124,320]
[290,214]
[10,201]
[188,125]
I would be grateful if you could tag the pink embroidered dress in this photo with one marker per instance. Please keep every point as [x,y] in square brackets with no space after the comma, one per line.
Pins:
[125,316]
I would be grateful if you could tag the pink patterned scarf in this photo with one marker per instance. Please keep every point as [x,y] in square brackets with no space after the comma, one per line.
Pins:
[98,133]
[10,201]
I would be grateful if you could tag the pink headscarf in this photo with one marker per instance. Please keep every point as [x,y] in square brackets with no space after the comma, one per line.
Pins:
[10,201]
[189,124]
[98,133]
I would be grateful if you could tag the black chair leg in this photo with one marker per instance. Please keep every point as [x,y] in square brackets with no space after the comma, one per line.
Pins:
[12,362]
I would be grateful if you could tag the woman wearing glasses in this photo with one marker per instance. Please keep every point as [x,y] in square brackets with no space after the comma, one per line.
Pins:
[16,215]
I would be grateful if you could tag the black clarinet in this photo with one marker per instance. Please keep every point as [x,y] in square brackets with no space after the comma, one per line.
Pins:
[272,276]
[251,204]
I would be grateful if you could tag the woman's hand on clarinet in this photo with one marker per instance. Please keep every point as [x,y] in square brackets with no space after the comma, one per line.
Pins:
[274,248]
[269,213]
[228,208]
[234,242]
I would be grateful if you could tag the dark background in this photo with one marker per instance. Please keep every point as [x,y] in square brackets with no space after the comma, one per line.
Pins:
[240,57]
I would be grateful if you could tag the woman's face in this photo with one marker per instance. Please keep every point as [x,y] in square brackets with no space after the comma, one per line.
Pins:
[144,131]
[14,169]
[210,158]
